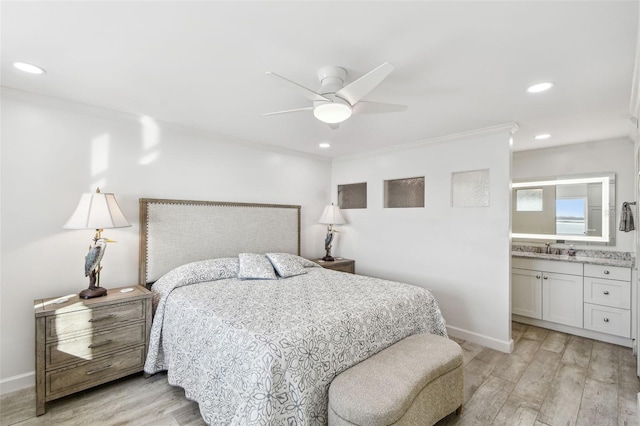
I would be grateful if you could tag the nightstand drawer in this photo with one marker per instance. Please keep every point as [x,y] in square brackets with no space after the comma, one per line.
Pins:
[68,380]
[92,346]
[347,267]
[339,264]
[92,319]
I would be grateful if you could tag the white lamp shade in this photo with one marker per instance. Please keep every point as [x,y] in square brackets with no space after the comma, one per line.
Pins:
[97,211]
[332,216]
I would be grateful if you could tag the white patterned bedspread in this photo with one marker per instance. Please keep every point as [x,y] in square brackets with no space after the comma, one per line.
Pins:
[264,352]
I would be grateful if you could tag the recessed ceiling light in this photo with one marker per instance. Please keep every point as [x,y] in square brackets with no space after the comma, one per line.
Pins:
[30,68]
[542,136]
[540,87]
[324,145]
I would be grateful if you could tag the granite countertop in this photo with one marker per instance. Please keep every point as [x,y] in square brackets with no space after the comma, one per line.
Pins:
[593,257]
[626,263]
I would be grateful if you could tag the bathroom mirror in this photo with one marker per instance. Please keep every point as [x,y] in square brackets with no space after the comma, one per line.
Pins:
[577,209]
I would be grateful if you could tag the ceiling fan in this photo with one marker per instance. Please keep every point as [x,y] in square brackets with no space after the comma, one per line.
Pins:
[334,102]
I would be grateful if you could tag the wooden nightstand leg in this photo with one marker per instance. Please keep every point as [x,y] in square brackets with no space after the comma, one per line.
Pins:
[40,405]
[40,375]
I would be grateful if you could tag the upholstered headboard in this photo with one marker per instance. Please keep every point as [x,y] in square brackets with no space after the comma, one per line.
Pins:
[175,232]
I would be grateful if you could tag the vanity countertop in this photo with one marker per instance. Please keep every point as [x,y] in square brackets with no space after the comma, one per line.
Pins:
[606,261]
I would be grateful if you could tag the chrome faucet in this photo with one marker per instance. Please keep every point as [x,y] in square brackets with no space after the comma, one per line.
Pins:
[547,245]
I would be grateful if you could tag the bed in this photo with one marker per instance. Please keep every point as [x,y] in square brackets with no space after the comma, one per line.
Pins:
[261,351]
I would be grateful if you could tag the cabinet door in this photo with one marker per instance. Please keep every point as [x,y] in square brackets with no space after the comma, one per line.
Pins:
[562,298]
[526,293]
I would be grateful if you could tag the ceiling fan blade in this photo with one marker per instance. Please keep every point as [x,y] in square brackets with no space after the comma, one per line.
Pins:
[289,110]
[364,107]
[307,93]
[359,88]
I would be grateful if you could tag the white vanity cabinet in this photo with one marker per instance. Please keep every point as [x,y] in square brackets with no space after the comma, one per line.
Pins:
[588,300]
[607,299]
[548,290]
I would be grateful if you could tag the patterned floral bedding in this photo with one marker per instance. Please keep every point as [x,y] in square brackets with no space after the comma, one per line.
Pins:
[264,352]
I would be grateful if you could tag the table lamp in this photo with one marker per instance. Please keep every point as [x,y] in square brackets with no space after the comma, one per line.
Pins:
[97,211]
[330,216]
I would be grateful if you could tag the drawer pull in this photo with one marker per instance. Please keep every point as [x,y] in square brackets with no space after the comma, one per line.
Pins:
[104,318]
[97,370]
[546,278]
[606,320]
[606,272]
[606,292]
[97,345]
[538,276]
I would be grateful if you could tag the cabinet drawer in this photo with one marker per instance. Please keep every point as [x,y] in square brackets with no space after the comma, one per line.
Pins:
[571,268]
[92,346]
[68,380]
[607,320]
[616,294]
[92,319]
[609,272]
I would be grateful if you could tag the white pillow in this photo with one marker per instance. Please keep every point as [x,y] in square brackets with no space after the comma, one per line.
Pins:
[286,264]
[255,267]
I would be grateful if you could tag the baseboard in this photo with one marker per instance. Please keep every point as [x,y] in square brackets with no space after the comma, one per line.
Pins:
[480,339]
[14,383]
[589,334]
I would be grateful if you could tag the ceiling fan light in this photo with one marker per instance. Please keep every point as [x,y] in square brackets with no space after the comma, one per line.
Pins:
[332,112]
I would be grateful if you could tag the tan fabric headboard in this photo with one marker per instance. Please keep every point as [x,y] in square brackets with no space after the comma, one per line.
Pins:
[175,232]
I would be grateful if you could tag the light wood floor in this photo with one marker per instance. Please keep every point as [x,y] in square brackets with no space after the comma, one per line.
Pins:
[551,378]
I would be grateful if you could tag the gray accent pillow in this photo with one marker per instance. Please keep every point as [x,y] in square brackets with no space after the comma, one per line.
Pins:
[286,264]
[255,267]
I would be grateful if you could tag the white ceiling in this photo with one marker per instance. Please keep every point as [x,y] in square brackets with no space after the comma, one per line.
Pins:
[460,66]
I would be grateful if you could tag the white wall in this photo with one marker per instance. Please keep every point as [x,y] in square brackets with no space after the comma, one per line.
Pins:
[602,156]
[52,151]
[461,254]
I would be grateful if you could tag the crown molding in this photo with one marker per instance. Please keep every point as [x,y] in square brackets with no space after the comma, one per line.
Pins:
[510,128]
[101,112]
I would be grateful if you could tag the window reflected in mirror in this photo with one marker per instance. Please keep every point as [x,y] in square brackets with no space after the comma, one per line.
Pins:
[571,216]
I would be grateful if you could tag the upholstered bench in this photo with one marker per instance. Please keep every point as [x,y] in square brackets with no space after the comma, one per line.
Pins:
[417,381]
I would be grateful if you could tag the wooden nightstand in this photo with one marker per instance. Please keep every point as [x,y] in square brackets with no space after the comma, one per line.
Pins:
[340,264]
[81,343]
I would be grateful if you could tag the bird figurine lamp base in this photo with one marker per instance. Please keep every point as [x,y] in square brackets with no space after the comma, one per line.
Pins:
[327,244]
[93,268]
[94,289]
[90,293]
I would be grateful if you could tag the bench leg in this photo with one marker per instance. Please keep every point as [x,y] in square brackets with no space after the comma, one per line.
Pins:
[459,410]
